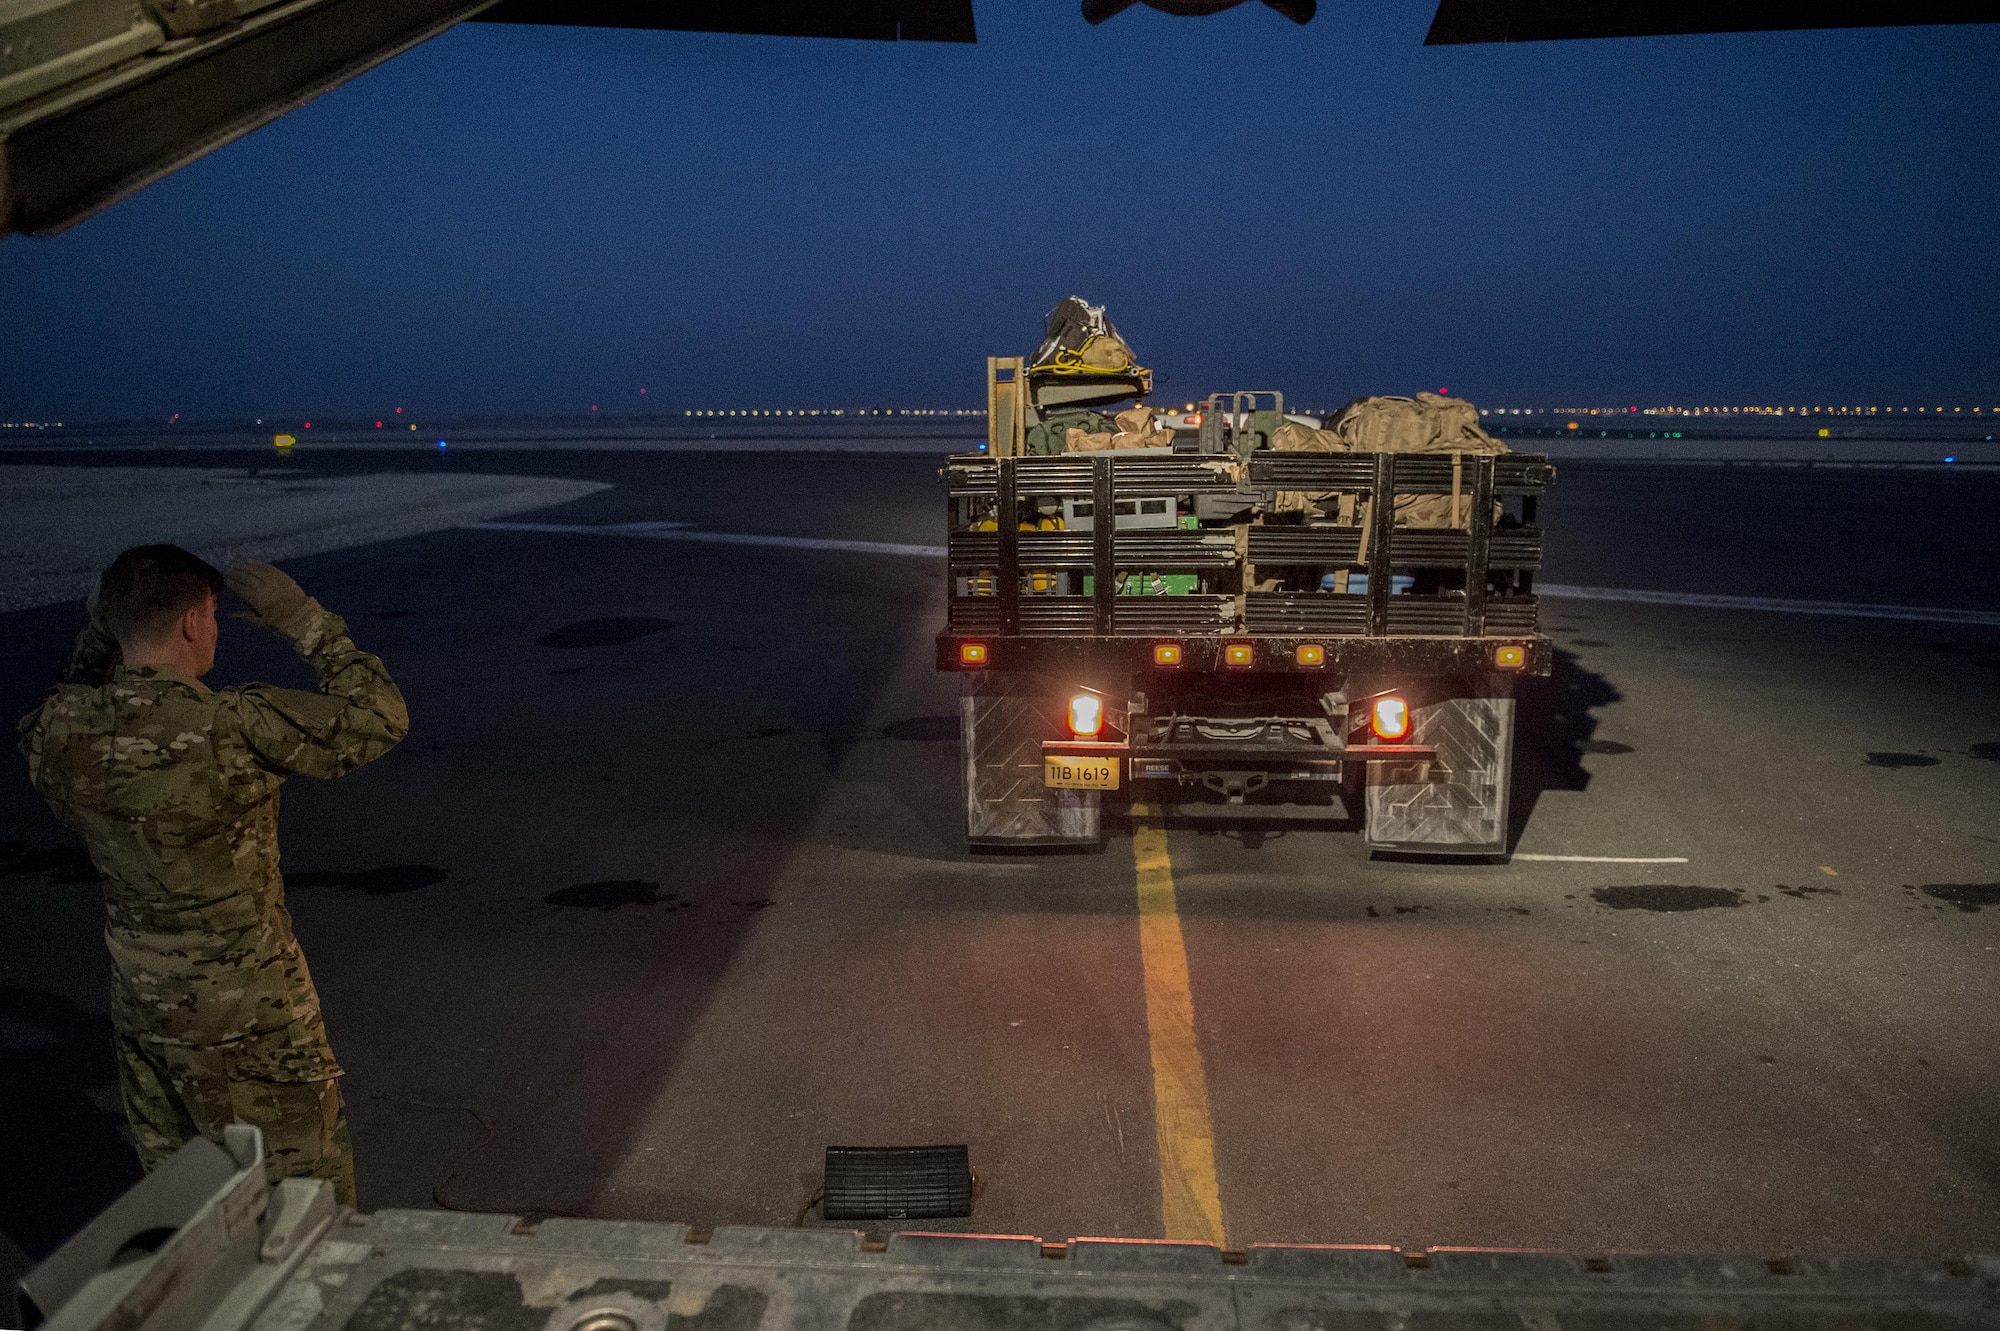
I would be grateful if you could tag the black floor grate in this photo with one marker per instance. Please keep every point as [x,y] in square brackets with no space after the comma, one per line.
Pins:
[896,1182]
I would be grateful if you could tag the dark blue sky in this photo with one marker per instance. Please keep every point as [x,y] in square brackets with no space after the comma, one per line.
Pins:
[535,219]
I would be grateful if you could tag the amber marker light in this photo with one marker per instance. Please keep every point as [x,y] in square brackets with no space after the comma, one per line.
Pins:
[972,653]
[1311,654]
[1390,718]
[1511,656]
[1166,654]
[1238,655]
[1086,715]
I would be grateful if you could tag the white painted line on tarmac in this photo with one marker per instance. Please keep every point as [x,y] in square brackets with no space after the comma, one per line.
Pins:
[679,531]
[1772,604]
[1604,859]
[673,531]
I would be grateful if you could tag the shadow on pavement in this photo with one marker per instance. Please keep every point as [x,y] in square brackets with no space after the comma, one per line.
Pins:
[1553,726]
[67,1157]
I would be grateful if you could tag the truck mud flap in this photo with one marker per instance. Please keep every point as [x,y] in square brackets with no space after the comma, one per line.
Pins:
[1459,805]
[1002,723]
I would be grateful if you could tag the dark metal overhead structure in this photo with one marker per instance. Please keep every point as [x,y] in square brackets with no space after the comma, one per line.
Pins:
[872,20]
[1466,21]
[100,98]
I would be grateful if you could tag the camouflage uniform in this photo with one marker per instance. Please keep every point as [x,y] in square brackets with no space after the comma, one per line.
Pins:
[174,786]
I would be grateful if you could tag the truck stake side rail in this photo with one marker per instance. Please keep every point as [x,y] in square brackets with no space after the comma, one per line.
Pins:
[1017,570]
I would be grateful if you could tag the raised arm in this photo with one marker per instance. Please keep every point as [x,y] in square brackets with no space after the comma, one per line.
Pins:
[357,716]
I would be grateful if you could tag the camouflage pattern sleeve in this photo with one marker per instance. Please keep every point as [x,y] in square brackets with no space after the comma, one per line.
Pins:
[34,748]
[357,716]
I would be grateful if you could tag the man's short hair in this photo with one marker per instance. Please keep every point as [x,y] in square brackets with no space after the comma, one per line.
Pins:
[149,586]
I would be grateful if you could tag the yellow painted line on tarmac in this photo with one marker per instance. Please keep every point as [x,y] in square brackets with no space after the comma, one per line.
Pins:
[1190,1201]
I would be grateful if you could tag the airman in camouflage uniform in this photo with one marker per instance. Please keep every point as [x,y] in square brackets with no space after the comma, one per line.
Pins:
[174,787]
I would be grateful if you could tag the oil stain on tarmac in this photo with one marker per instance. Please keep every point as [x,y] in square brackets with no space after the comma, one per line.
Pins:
[1901,760]
[1968,897]
[614,631]
[616,894]
[1666,897]
[390,880]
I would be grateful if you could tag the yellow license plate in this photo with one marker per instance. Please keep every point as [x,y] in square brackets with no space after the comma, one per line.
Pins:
[1080,773]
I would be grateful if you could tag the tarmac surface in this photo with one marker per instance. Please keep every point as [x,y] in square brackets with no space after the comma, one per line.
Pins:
[666,892]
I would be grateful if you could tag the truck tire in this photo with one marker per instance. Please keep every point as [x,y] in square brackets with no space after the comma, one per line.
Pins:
[1458,807]
[1002,723]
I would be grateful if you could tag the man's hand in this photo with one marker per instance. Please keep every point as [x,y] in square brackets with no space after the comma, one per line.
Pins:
[95,655]
[276,602]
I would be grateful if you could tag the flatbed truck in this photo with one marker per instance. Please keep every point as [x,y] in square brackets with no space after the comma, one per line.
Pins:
[1213,639]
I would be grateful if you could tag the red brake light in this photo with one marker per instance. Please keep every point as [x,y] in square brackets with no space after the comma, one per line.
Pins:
[1389,718]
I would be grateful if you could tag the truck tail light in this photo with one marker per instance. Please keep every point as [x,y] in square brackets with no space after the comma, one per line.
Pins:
[1166,653]
[1311,654]
[1510,656]
[1239,656]
[972,653]
[1086,715]
[1390,718]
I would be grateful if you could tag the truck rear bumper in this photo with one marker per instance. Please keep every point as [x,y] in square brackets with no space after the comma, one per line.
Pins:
[1304,759]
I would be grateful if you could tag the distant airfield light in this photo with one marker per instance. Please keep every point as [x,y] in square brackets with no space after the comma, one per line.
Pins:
[399,411]
[378,425]
[440,445]
[1952,458]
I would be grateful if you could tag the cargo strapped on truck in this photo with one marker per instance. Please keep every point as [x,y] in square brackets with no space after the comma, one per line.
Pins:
[1494,565]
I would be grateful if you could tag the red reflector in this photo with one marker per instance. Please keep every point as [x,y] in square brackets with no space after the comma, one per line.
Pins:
[1390,718]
